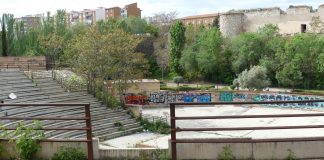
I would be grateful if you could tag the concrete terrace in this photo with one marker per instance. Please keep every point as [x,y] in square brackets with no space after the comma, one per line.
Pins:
[161,141]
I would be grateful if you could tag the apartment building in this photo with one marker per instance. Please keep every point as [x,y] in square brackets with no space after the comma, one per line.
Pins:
[131,10]
[74,17]
[29,21]
[89,16]
[114,12]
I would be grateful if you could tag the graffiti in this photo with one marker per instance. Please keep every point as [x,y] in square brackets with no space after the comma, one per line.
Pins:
[239,97]
[226,96]
[279,97]
[136,99]
[166,97]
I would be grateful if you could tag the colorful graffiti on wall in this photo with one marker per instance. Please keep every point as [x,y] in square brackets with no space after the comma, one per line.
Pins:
[166,97]
[136,99]
[230,97]
[236,97]
[284,97]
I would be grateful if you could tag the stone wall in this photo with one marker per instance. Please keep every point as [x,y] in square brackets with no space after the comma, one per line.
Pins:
[289,22]
[231,24]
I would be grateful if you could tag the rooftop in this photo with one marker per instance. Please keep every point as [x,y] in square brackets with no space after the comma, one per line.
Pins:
[201,16]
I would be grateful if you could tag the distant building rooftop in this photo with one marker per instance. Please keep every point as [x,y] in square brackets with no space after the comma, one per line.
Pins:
[201,16]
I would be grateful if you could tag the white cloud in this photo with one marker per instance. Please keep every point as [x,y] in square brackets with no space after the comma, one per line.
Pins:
[149,7]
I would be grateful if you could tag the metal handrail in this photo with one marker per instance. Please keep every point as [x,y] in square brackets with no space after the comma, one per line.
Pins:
[86,118]
[175,129]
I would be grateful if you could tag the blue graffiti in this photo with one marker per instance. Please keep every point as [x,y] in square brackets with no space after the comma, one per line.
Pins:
[166,97]
[279,97]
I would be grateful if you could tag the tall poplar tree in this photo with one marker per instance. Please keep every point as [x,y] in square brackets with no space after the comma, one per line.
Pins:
[177,33]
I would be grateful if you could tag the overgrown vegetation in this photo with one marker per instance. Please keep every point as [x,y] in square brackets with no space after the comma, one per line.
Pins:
[226,154]
[291,155]
[26,140]
[158,126]
[295,61]
[156,155]
[69,153]
[120,126]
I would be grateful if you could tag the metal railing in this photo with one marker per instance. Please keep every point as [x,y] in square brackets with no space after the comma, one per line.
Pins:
[175,129]
[86,118]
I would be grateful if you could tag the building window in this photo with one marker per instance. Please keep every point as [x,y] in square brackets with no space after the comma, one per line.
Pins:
[303,28]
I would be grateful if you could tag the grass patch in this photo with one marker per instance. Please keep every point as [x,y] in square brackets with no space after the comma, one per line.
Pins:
[156,127]
[186,88]
[304,91]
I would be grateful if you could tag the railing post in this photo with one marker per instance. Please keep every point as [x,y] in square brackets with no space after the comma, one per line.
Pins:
[173,132]
[89,132]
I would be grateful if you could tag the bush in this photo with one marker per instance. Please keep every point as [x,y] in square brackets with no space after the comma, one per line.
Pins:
[291,155]
[27,141]
[255,78]
[69,154]
[178,79]
[156,127]
[226,154]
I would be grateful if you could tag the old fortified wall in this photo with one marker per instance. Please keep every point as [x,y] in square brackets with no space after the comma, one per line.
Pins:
[296,19]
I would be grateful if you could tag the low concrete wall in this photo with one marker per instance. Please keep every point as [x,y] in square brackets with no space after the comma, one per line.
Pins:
[131,153]
[271,150]
[48,149]
[35,62]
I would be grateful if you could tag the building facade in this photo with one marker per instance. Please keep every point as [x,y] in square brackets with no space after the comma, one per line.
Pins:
[29,21]
[131,10]
[114,12]
[89,16]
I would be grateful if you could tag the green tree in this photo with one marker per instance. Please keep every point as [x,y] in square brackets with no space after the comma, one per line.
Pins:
[302,51]
[177,33]
[60,23]
[9,20]
[178,80]
[272,44]
[4,36]
[246,51]
[290,75]
[136,24]
[107,56]
[215,23]
[20,41]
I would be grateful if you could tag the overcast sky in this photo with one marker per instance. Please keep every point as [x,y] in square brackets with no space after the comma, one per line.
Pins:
[149,7]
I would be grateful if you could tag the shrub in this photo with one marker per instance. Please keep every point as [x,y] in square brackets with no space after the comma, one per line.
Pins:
[27,141]
[69,154]
[226,154]
[255,78]
[178,79]
[158,126]
[291,155]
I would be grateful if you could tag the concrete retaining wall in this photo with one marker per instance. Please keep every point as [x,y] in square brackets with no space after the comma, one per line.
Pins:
[131,153]
[48,149]
[273,150]
[36,62]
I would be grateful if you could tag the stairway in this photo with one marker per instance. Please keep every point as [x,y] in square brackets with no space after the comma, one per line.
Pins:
[46,90]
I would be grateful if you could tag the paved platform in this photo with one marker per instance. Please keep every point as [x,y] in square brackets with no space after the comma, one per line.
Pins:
[161,141]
